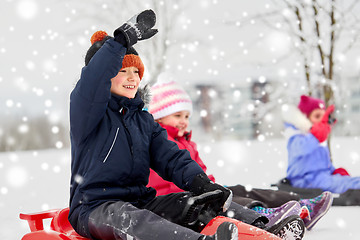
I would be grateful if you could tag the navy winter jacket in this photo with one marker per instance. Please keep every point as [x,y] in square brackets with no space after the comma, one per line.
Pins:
[114,143]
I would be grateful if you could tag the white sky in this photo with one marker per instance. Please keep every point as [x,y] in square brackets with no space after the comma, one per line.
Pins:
[41,56]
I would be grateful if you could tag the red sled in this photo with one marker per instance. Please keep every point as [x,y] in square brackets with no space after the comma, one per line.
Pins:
[60,228]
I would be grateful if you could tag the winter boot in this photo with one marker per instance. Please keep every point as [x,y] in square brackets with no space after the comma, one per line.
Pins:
[290,228]
[275,215]
[318,207]
[225,231]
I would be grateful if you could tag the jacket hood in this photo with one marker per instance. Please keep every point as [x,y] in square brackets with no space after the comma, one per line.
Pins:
[292,115]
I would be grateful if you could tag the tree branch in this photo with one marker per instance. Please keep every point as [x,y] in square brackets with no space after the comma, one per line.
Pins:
[318,34]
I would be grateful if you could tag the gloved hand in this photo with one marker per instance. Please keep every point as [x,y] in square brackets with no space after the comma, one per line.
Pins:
[139,27]
[341,171]
[202,184]
[322,129]
[198,210]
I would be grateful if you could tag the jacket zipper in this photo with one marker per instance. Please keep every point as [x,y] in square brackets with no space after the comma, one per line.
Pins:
[112,145]
[128,135]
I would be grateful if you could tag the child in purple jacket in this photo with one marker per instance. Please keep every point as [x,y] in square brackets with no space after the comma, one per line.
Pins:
[309,163]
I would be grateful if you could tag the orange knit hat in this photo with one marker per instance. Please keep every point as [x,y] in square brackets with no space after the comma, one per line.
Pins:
[131,58]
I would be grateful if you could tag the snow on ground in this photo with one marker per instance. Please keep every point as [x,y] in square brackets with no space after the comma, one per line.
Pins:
[38,180]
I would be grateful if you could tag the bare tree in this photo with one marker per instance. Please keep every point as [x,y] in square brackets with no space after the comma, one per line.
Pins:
[321,31]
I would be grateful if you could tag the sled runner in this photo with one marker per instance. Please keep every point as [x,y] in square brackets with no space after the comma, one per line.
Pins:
[349,198]
[60,228]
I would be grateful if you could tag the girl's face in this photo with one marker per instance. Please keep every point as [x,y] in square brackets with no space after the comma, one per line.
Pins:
[126,82]
[316,115]
[179,120]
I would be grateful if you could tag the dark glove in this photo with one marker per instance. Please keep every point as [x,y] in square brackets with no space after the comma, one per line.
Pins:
[198,210]
[322,129]
[137,28]
[202,184]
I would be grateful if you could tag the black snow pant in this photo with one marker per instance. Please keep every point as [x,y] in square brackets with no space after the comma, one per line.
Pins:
[261,197]
[158,219]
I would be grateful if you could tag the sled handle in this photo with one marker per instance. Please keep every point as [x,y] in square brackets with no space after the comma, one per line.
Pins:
[35,220]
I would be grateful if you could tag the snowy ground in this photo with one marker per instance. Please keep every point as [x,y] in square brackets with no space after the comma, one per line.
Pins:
[38,180]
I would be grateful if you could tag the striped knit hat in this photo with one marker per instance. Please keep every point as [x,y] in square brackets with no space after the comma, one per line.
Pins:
[168,98]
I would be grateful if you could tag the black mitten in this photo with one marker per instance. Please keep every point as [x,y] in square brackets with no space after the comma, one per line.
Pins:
[198,211]
[139,27]
[202,184]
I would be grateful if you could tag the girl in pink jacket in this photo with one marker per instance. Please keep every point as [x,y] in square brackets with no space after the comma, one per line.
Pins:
[184,142]
[172,107]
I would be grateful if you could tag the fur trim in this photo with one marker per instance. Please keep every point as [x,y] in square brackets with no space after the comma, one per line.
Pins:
[145,94]
[289,132]
[292,115]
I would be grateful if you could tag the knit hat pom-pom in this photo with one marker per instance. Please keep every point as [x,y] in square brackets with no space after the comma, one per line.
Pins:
[98,36]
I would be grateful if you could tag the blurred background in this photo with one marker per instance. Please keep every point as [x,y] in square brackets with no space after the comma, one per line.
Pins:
[239,60]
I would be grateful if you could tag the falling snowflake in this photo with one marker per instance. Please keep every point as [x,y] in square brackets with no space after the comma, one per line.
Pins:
[17,176]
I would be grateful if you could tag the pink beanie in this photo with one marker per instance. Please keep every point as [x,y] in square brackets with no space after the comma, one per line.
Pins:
[308,104]
[168,98]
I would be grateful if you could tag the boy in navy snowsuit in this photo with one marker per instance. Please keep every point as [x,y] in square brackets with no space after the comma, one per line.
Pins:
[114,143]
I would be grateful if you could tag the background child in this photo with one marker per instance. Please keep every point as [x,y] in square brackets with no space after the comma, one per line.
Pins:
[309,165]
[171,107]
[114,143]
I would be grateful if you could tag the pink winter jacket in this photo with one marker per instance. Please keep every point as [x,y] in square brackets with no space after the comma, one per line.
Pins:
[164,187]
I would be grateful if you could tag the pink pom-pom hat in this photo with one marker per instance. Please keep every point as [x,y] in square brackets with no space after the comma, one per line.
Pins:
[308,104]
[169,98]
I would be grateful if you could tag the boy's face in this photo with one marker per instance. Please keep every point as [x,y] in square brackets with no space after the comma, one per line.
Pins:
[126,82]
[179,120]
[316,115]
